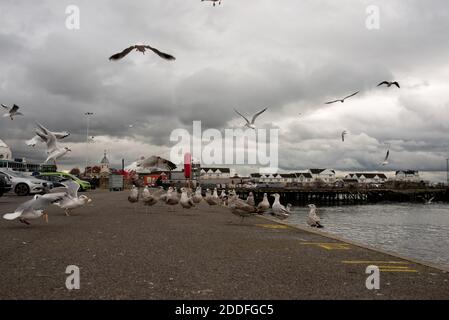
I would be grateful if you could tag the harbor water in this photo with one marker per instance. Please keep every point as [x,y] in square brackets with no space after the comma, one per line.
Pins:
[418,231]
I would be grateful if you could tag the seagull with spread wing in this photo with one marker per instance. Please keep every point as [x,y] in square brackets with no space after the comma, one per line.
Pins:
[141,48]
[342,100]
[12,112]
[213,1]
[343,135]
[54,151]
[34,208]
[251,124]
[156,163]
[36,139]
[389,84]
[71,201]
[385,162]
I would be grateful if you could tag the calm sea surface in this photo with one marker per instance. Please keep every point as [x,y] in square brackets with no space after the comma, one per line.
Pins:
[417,231]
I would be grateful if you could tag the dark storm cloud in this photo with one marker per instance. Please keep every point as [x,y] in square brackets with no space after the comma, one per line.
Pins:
[290,57]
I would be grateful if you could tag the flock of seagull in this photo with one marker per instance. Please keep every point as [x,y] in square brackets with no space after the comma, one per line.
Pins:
[69,199]
[242,208]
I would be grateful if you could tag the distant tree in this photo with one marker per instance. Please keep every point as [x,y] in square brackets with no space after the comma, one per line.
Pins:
[75,172]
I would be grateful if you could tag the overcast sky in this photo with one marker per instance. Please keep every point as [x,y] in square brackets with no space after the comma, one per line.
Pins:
[290,56]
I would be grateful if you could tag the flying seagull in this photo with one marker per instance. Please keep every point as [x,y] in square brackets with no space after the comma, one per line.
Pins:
[386,158]
[141,48]
[54,151]
[342,100]
[33,141]
[12,112]
[251,124]
[389,84]
[213,1]
[156,163]
[343,135]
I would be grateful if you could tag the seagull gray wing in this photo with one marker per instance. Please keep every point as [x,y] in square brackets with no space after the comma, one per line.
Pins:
[396,84]
[257,114]
[351,95]
[44,130]
[161,54]
[40,202]
[330,102]
[14,109]
[158,163]
[6,107]
[33,141]
[72,188]
[51,143]
[382,83]
[387,155]
[242,116]
[122,54]
[42,136]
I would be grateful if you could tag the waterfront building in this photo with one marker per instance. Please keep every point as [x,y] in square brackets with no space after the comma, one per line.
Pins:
[367,177]
[407,176]
[215,173]
[324,175]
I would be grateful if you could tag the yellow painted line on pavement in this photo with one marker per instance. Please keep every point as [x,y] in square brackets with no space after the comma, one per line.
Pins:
[373,262]
[272,226]
[385,266]
[329,245]
[398,270]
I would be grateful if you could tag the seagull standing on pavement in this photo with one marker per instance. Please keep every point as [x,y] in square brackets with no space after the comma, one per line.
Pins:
[264,205]
[251,124]
[197,197]
[12,112]
[34,208]
[186,201]
[313,220]
[250,199]
[279,211]
[71,200]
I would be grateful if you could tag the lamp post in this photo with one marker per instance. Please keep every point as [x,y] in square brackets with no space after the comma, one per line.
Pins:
[87,114]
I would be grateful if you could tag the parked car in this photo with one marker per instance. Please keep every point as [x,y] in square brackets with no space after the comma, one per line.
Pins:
[84,185]
[54,179]
[24,185]
[5,184]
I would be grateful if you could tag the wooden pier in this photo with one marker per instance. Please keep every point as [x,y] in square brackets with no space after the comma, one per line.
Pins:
[348,196]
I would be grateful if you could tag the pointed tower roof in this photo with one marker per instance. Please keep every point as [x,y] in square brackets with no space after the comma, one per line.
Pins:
[105,159]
